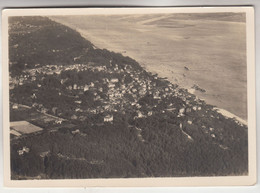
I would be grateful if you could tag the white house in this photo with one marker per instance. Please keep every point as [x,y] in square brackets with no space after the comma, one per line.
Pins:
[20,152]
[134,90]
[97,98]
[182,110]
[78,110]
[156,96]
[108,118]
[195,108]
[75,131]
[100,89]
[94,111]
[34,96]
[25,149]
[15,106]
[111,85]
[58,121]
[74,117]
[106,107]
[150,113]
[140,115]
[138,106]
[86,87]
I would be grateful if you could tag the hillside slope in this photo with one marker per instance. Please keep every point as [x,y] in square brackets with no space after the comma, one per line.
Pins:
[103,115]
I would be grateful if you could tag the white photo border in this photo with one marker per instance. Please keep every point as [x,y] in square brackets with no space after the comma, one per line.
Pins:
[136,182]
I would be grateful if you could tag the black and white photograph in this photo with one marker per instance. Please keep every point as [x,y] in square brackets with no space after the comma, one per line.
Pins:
[129,93]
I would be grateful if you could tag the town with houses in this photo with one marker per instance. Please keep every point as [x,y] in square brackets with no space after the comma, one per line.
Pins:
[117,96]
[108,109]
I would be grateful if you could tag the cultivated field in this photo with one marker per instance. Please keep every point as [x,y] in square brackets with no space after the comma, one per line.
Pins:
[24,127]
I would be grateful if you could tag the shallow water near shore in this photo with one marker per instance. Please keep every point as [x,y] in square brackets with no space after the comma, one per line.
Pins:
[207,52]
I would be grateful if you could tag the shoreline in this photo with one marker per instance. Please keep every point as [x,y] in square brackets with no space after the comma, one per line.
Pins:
[144,65]
[222,111]
[228,114]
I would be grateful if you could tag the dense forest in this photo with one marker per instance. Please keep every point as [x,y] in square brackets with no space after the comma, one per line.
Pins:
[158,129]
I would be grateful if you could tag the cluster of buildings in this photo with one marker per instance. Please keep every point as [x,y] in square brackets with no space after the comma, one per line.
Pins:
[37,73]
[122,87]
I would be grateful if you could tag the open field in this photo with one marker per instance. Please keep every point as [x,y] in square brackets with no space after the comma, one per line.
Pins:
[211,47]
[26,120]
[24,127]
